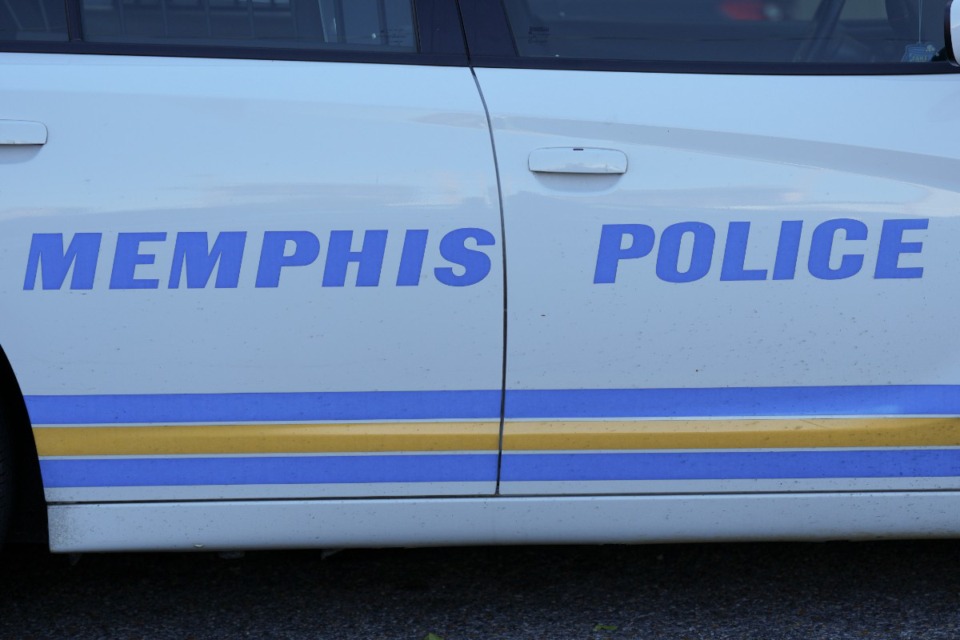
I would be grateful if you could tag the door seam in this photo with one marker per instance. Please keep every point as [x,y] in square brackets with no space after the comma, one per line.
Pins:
[503,247]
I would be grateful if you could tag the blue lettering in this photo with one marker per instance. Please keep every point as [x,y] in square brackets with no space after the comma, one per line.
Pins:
[612,251]
[411,259]
[127,257]
[788,250]
[369,259]
[821,249]
[192,253]
[892,246]
[47,249]
[476,264]
[668,258]
[735,255]
[273,255]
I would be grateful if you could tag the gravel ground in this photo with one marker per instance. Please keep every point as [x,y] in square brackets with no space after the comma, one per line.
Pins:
[763,591]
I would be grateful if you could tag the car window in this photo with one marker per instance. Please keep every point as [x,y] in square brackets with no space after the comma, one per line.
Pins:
[335,24]
[33,20]
[749,31]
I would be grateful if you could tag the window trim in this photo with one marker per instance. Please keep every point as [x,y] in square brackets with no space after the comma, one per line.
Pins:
[490,44]
[439,38]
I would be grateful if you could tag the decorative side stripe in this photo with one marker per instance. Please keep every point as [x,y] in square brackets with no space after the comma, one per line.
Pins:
[729,465]
[894,400]
[153,472]
[516,467]
[797,433]
[483,436]
[267,438]
[729,402]
[264,407]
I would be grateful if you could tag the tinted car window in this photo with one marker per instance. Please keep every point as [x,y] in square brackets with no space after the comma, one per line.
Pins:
[33,20]
[750,31]
[345,24]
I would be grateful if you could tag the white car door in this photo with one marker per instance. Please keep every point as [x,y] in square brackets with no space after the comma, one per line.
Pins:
[249,249]
[731,243]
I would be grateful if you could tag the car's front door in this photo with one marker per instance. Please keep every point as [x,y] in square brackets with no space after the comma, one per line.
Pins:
[257,253]
[731,243]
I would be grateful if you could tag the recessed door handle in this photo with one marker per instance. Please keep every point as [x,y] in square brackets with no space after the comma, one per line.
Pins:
[578,160]
[22,132]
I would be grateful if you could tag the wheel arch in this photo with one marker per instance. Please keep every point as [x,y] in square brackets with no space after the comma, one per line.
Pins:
[29,517]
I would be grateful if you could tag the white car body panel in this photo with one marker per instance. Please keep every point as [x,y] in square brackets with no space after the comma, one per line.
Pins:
[174,146]
[208,526]
[758,346]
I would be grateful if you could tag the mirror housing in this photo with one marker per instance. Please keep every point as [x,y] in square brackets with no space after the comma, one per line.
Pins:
[952,31]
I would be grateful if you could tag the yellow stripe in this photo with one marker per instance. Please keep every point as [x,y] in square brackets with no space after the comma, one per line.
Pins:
[273,438]
[732,434]
[483,436]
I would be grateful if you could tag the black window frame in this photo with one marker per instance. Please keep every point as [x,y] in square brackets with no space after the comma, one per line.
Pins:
[490,44]
[439,37]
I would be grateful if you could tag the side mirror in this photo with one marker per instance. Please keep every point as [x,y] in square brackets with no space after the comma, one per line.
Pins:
[952,31]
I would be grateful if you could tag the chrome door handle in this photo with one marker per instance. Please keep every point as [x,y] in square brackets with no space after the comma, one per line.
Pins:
[22,132]
[578,160]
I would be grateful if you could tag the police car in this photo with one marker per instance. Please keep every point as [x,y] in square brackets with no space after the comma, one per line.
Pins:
[310,273]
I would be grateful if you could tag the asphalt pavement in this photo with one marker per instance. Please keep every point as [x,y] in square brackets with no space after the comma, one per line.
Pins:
[882,590]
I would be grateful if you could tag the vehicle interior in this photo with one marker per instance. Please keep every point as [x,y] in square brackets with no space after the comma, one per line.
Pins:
[341,24]
[835,31]
[750,31]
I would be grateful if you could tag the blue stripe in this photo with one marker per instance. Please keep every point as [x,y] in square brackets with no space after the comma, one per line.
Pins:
[734,401]
[731,465]
[485,405]
[517,467]
[265,407]
[155,472]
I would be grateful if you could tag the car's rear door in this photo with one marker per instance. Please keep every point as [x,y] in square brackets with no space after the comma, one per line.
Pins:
[249,249]
[731,243]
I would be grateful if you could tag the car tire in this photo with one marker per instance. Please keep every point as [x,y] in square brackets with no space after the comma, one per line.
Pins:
[6,479]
